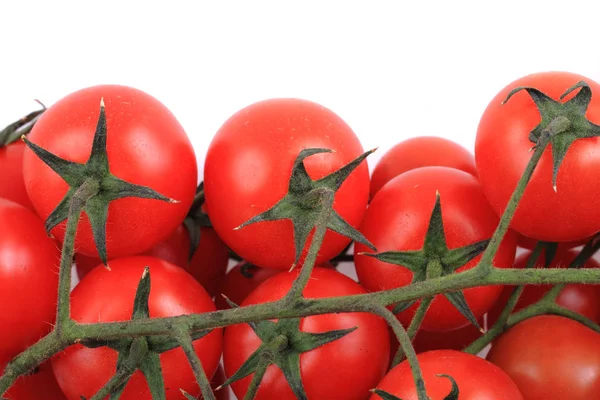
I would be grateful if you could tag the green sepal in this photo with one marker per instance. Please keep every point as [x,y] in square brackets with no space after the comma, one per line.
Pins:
[195,220]
[385,395]
[116,393]
[303,203]
[435,259]
[573,110]
[97,169]
[141,308]
[550,250]
[23,126]
[152,370]
[187,395]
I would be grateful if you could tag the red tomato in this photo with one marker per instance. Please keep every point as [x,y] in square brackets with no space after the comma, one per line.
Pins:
[218,380]
[353,364]
[29,262]
[241,281]
[12,186]
[422,151]
[583,299]
[41,384]
[146,146]
[457,339]
[208,265]
[397,220]
[551,358]
[248,168]
[502,151]
[104,296]
[476,378]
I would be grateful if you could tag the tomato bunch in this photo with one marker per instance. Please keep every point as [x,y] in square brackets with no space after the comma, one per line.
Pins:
[280,175]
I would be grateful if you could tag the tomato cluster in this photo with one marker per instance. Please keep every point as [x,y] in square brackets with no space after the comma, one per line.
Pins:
[273,171]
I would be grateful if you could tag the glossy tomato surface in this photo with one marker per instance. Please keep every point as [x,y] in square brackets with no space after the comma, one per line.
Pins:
[29,262]
[146,145]
[104,296]
[397,220]
[421,151]
[346,368]
[551,358]
[39,385]
[477,379]
[12,185]
[248,168]
[502,150]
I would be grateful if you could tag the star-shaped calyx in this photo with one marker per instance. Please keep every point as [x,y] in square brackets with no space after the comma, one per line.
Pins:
[435,259]
[573,113]
[453,395]
[96,169]
[141,353]
[282,345]
[303,203]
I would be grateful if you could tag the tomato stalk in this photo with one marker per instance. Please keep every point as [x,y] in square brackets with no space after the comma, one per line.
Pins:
[185,340]
[413,328]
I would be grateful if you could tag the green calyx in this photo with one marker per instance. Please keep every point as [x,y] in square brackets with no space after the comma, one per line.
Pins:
[23,126]
[95,170]
[195,220]
[434,260]
[453,395]
[574,123]
[140,353]
[303,204]
[282,345]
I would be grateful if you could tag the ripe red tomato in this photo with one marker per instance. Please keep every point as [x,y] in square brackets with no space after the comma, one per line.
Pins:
[12,186]
[241,281]
[397,220]
[353,364]
[421,151]
[146,145]
[208,265]
[29,262]
[457,339]
[583,299]
[41,384]
[551,358]
[104,296]
[476,378]
[248,168]
[502,150]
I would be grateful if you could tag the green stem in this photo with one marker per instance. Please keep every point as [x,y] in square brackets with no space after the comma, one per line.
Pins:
[185,340]
[413,328]
[309,262]
[267,357]
[405,344]
[63,308]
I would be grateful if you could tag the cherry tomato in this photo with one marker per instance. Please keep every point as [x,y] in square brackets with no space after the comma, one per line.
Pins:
[208,265]
[107,295]
[457,339]
[146,145]
[12,186]
[29,262]
[397,220]
[353,364]
[422,151]
[241,281]
[502,150]
[551,358]
[476,378]
[248,168]
[583,299]
[40,384]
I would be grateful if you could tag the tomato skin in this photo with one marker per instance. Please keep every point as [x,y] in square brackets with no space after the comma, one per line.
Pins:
[248,168]
[551,358]
[208,265]
[421,151]
[29,262]
[146,145]
[41,384]
[397,220]
[12,185]
[502,150]
[237,286]
[104,296]
[457,339]
[476,378]
[354,363]
[583,299]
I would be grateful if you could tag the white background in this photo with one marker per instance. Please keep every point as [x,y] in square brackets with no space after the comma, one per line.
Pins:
[391,69]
